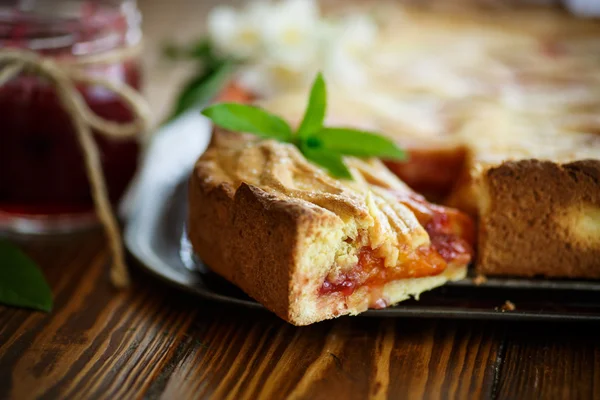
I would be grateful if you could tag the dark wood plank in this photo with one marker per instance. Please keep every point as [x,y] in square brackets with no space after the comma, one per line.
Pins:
[551,361]
[97,341]
[154,341]
[258,356]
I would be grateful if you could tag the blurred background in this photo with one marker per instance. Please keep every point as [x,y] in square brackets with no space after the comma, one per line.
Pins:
[184,21]
[180,21]
[414,76]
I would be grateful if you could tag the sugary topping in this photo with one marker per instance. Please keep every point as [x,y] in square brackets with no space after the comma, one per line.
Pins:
[365,204]
[509,84]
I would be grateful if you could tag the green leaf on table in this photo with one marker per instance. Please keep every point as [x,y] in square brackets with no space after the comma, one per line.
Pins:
[315,110]
[358,143]
[201,89]
[332,162]
[249,119]
[21,282]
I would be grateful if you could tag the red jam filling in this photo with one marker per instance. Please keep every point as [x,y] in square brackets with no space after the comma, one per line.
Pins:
[429,171]
[451,233]
[371,271]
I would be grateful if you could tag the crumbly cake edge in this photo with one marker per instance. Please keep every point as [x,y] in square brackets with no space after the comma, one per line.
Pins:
[279,251]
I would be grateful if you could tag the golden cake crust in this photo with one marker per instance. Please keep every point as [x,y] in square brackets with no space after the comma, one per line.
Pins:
[540,218]
[278,249]
[248,237]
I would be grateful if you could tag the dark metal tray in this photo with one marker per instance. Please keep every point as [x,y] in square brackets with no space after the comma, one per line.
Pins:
[155,235]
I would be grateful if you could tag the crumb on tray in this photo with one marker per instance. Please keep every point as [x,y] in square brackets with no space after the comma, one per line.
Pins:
[508,306]
[479,279]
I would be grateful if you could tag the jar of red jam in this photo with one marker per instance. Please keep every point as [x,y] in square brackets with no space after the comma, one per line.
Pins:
[44,186]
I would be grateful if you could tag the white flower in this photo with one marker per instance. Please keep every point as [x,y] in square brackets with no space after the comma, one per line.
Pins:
[285,43]
[351,51]
[237,33]
[358,35]
[269,78]
[291,32]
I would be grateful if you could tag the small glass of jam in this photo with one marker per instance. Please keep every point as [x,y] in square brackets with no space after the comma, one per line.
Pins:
[44,187]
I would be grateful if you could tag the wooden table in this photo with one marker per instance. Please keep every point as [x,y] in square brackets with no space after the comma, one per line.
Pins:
[155,342]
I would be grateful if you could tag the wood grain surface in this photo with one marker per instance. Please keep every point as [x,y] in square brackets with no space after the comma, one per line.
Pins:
[154,342]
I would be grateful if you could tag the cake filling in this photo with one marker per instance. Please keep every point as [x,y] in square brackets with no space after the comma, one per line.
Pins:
[370,271]
[451,234]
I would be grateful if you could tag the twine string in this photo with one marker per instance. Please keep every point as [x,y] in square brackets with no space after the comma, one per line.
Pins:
[64,75]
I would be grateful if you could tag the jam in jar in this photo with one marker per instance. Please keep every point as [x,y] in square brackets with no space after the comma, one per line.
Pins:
[44,186]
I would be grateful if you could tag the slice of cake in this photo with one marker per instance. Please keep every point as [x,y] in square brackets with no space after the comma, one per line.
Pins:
[499,109]
[536,191]
[310,247]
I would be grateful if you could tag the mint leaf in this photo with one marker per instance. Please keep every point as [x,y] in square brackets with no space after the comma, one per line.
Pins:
[323,146]
[203,88]
[21,282]
[331,161]
[249,119]
[357,143]
[315,110]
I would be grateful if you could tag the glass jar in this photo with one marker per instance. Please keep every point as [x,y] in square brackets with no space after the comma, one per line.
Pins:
[44,186]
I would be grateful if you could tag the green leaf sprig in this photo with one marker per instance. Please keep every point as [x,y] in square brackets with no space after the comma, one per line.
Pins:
[324,146]
[214,71]
[21,282]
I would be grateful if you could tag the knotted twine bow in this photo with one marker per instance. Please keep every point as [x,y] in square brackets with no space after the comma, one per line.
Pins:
[63,75]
